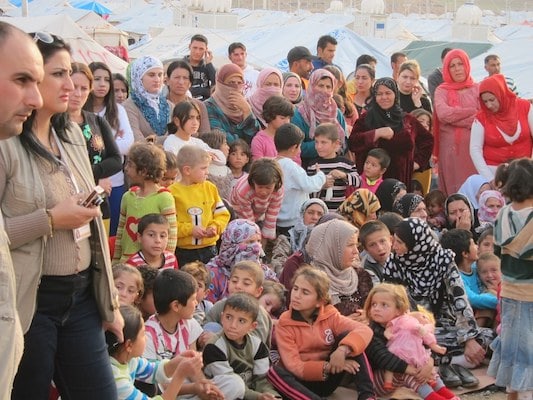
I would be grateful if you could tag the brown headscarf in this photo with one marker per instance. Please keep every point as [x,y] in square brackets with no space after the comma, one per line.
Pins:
[222,91]
[358,206]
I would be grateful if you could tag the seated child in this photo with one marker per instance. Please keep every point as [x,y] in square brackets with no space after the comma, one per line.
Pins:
[318,346]
[236,361]
[146,303]
[407,335]
[485,242]
[376,240]
[220,175]
[341,174]
[200,212]
[152,234]
[297,185]
[435,200]
[376,164]
[200,273]
[277,111]
[385,303]
[416,187]
[239,158]
[490,275]
[129,284]
[246,277]
[258,196]
[128,365]
[173,330]
[273,298]
[171,172]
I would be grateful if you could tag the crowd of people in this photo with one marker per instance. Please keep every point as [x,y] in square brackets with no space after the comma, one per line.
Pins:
[239,234]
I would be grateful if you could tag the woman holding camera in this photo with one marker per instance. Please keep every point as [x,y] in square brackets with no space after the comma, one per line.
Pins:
[59,247]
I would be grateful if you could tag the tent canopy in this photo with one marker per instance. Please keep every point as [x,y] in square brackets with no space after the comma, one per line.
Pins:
[91,5]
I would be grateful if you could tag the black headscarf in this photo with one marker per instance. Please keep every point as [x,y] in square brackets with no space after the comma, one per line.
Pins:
[376,116]
[387,191]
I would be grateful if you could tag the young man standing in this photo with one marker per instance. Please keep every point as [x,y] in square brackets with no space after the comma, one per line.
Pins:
[325,50]
[200,58]
[300,62]
[21,70]
[237,55]
[493,65]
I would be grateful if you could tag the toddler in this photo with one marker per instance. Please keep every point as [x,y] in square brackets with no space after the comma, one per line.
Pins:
[376,164]
[435,200]
[129,284]
[220,175]
[273,298]
[486,241]
[200,273]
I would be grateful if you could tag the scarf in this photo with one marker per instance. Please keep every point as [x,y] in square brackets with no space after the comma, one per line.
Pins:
[298,233]
[513,232]
[484,213]
[424,265]
[318,107]
[153,106]
[359,206]
[407,204]
[232,247]
[263,93]
[326,246]
[506,118]
[223,91]
[452,89]
[286,76]
[377,117]
[387,192]
[470,188]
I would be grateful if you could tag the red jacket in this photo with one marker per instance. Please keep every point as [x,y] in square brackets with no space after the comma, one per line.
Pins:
[304,347]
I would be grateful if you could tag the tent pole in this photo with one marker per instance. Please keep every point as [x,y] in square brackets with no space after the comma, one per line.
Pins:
[24,8]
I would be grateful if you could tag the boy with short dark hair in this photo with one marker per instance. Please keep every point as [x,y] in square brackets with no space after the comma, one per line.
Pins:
[376,239]
[172,330]
[152,234]
[204,73]
[376,163]
[341,173]
[200,212]
[277,111]
[235,360]
[297,184]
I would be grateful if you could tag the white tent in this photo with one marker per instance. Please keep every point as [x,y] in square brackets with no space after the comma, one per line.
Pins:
[84,49]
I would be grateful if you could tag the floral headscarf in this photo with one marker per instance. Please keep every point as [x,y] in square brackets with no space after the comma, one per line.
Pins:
[484,213]
[263,93]
[326,248]
[423,268]
[153,106]
[359,206]
[318,107]
[407,204]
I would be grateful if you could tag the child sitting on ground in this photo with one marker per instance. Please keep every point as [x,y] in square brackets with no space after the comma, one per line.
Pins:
[490,276]
[235,360]
[201,213]
[273,298]
[386,302]
[376,164]
[341,174]
[146,303]
[152,234]
[200,273]
[297,184]
[435,200]
[376,240]
[144,168]
[129,284]
[128,365]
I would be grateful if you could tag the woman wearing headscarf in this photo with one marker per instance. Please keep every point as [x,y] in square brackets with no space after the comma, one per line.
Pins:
[269,83]
[456,105]
[461,214]
[318,106]
[385,125]
[411,205]
[503,128]
[228,109]
[473,187]
[433,281]
[361,206]
[332,247]
[292,87]
[388,192]
[148,109]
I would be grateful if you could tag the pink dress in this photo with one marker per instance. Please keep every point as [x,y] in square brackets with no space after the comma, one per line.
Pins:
[408,339]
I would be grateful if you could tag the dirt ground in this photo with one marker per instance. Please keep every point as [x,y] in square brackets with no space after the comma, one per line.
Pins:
[484,395]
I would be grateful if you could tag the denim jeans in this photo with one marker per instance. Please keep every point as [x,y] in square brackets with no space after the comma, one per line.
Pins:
[65,343]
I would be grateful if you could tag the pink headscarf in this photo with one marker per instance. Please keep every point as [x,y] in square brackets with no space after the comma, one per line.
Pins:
[263,93]
[222,91]
[317,107]
[484,213]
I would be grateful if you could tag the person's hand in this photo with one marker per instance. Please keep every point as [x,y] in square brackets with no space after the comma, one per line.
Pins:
[204,338]
[150,139]
[189,367]
[106,184]
[474,353]
[330,180]
[416,166]
[384,133]
[416,95]
[464,221]
[359,316]
[425,373]
[116,327]
[214,157]
[198,232]
[351,366]
[208,56]
[267,396]
[211,231]
[338,174]
[238,102]
[119,134]
[69,214]
[207,390]
[337,359]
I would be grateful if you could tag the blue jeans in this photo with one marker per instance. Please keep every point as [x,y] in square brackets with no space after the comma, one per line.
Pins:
[65,343]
